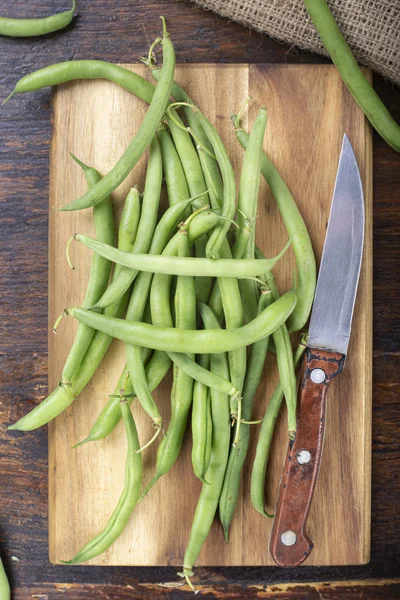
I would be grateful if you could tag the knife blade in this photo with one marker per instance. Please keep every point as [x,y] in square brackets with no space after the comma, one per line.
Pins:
[325,355]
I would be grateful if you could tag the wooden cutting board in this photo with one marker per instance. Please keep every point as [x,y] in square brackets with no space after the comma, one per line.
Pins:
[309,110]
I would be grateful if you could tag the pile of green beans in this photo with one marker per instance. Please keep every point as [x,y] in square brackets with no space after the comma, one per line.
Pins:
[184,292]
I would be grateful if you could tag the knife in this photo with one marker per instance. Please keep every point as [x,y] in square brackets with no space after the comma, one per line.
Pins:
[325,355]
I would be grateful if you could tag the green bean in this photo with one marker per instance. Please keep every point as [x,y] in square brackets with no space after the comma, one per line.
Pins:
[297,231]
[73,70]
[224,163]
[208,501]
[203,375]
[141,140]
[237,454]
[35,27]
[174,265]
[182,386]
[63,395]
[170,339]
[209,164]
[264,443]
[128,500]
[231,303]
[248,204]
[148,219]
[99,273]
[5,590]
[201,423]
[284,356]
[355,80]
[173,171]
[197,186]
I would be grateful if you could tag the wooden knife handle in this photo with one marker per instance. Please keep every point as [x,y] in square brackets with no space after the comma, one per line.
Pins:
[289,544]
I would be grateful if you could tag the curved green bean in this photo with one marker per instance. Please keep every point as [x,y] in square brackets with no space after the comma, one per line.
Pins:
[74,70]
[264,443]
[141,140]
[5,590]
[170,339]
[210,492]
[128,500]
[297,231]
[99,273]
[203,375]
[237,454]
[36,27]
[147,223]
[175,265]
[355,80]
[174,175]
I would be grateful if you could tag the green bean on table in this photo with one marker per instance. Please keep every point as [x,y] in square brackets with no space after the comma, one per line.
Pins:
[172,167]
[35,27]
[237,453]
[201,423]
[257,492]
[128,500]
[63,395]
[142,138]
[297,231]
[210,492]
[171,339]
[99,274]
[355,80]
[248,204]
[175,265]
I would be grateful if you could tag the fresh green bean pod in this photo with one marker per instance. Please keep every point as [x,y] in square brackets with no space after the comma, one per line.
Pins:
[182,386]
[248,203]
[5,590]
[99,273]
[63,395]
[284,356]
[171,339]
[237,454]
[174,174]
[176,265]
[141,140]
[129,223]
[203,375]
[36,27]
[259,468]
[300,239]
[201,423]
[208,501]
[353,77]
[128,500]
[197,186]
[74,70]
[148,220]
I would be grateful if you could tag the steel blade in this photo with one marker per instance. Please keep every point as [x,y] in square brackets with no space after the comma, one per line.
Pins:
[339,271]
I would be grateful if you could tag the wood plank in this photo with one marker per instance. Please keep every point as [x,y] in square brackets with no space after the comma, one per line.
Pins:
[309,110]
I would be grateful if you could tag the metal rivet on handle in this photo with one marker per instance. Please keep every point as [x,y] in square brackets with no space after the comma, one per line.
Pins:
[317,376]
[303,457]
[288,538]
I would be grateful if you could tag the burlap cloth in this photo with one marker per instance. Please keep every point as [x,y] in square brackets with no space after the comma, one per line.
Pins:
[371,27]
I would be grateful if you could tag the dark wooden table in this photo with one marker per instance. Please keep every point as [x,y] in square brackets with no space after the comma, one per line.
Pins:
[119,31]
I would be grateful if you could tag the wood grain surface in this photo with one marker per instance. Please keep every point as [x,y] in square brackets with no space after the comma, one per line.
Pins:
[121,34]
[96,120]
